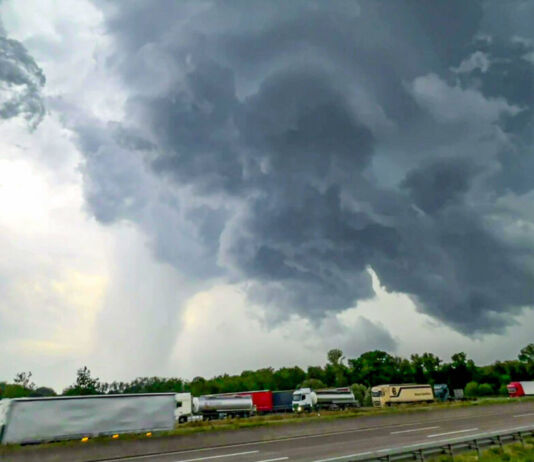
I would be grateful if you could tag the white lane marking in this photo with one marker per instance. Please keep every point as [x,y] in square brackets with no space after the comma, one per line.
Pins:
[344,457]
[452,433]
[235,454]
[415,446]
[413,430]
[524,415]
[273,460]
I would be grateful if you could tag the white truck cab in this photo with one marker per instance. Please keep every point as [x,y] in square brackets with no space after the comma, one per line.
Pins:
[185,404]
[304,399]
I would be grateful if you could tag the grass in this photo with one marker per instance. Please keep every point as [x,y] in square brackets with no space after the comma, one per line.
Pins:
[512,452]
[281,419]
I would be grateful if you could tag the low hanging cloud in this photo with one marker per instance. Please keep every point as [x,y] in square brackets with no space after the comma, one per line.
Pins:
[291,146]
[21,82]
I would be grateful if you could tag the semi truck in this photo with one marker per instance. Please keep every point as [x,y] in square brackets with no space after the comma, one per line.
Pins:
[441,392]
[39,420]
[388,395]
[518,389]
[211,407]
[266,401]
[306,399]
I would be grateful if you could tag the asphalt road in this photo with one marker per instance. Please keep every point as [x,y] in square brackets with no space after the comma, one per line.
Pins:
[342,439]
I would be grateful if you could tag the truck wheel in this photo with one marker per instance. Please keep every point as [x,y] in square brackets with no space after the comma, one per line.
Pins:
[182,419]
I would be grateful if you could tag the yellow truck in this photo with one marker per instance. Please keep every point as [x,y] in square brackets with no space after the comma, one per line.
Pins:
[388,395]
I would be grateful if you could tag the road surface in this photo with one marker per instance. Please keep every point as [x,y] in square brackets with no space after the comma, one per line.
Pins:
[327,441]
[336,446]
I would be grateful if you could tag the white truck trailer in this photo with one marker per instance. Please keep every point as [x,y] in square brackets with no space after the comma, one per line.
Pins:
[38,420]
[306,399]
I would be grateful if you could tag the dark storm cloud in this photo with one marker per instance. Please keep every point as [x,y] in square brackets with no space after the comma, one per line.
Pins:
[442,183]
[300,143]
[21,81]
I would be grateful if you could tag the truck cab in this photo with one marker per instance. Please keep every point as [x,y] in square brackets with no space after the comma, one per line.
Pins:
[184,407]
[515,390]
[378,395]
[441,392]
[303,400]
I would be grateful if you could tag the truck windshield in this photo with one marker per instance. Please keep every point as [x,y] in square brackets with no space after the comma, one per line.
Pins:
[297,397]
[376,394]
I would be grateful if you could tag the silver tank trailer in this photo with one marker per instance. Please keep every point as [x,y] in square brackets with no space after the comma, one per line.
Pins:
[235,405]
[341,397]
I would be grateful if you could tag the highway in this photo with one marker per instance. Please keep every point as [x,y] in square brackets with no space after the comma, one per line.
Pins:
[311,441]
[339,440]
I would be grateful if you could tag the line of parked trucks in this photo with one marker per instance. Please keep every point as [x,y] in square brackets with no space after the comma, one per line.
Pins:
[36,420]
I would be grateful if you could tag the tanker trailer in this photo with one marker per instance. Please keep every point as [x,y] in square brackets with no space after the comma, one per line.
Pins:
[219,407]
[305,399]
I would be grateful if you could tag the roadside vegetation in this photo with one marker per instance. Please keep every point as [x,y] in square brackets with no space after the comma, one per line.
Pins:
[512,452]
[361,373]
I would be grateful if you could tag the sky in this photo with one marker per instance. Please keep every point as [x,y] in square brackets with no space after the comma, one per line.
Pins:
[198,187]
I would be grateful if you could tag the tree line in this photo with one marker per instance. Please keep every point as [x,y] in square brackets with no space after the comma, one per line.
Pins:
[369,369]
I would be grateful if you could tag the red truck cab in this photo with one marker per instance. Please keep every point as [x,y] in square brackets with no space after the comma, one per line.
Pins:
[515,390]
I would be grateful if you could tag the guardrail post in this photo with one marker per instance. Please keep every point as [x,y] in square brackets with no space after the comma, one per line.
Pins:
[451,452]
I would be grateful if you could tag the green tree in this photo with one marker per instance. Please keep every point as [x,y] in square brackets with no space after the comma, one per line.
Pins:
[359,392]
[373,368]
[471,390]
[316,372]
[527,354]
[460,370]
[42,392]
[418,369]
[288,378]
[485,389]
[503,390]
[335,356]
[367,400]
[16,391]
[314,384]
[24,379]
[197,386]
[85,384]
[431,367]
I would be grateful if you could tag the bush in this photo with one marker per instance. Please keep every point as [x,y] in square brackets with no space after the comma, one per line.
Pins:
[16,391]
[471,390]
[359,391]
[43,391]
[485,389]
[503,390]
[367,400]
[314,384]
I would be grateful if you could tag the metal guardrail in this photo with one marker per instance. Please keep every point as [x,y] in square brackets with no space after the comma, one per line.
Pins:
[450,447]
